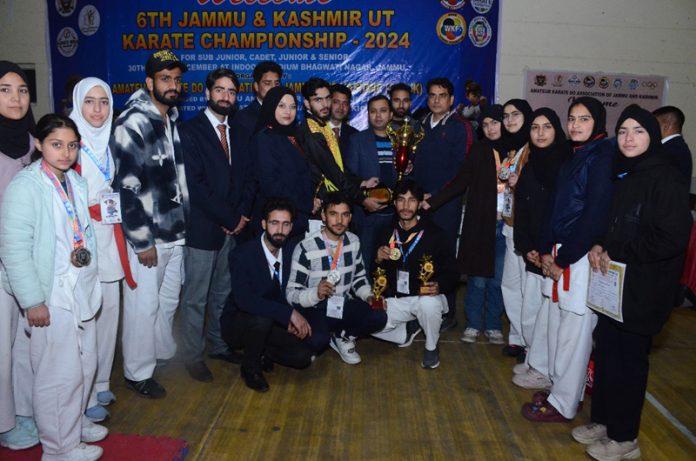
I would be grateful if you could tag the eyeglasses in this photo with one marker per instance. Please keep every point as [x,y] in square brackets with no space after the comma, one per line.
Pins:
[580,119]
[512,115]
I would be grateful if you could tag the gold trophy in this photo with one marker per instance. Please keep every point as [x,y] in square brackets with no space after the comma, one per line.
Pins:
[427,270]
[378,286]
[404,142]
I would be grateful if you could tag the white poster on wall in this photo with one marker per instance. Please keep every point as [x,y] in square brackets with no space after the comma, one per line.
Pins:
[557,89]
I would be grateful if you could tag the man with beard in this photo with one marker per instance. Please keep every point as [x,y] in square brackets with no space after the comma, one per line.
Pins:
[405,250]
[328,281]
[400,96]
[323,151]
[151,180]
[257,318]
[216,174]
[341,97]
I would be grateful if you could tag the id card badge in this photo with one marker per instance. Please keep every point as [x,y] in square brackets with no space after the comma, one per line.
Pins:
[314,226]
[402,283]
[507,204]
[334,307]
[110,204]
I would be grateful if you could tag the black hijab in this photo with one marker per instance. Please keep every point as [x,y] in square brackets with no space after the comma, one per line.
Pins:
[14,134]
[268,108]
[599,115]
[647,120]
[495,111]
[515,141]
[546,161]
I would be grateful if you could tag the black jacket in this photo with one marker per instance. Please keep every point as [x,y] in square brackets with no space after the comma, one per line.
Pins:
[678,152]
[433,242]
[649,229]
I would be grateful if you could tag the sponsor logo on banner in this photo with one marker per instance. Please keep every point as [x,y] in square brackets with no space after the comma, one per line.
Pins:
[649,84]
[618,83]
[558,80]
[480,32]
[451,28]
[66,7]
[604,83]
[453,4]
[588,81]
[633,84]
[540,80]
[481,6]
[89,20]
[574,81]
[67,41]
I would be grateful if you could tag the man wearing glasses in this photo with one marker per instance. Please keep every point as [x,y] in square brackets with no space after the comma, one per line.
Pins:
[154,200]
[221,200]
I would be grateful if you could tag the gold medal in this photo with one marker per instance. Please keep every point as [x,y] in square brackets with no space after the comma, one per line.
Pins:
[394,254]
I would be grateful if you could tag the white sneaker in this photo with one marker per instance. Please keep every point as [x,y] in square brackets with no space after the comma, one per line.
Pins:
[611,450]
[494,336]
[346,349]
[520,368]
[532,380]
[93,432]
[590,433]
[83,452]
[470,335]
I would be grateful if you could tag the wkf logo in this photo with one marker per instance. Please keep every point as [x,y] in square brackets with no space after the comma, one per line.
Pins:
[451,28]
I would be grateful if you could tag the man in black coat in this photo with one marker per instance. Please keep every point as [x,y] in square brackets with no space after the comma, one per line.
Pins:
[257,317]
[341,97]
[221,199]
[671,121]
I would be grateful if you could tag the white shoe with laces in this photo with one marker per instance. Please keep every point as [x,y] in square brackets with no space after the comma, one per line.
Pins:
[611,450]
[590,433]
[93,432]
[532,380]
[346,349]
[470,335]
[82,452]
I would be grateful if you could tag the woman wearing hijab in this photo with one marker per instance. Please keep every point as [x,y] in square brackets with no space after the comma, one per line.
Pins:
[93,113]
[577,220]
[17,428]
[649,231]
[517,118]
[283,170]
[548,150]
[482,246]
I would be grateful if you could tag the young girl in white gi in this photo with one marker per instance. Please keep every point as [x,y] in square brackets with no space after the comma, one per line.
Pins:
[93,113]
[48,247]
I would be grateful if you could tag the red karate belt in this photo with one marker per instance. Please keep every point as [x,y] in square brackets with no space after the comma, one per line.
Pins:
[95,214]
[566,280]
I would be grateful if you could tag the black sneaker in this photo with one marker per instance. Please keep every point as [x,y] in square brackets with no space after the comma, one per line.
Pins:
[199,371]
[512,350]
[431,359]
[413,329]
[147,388]
[254,379]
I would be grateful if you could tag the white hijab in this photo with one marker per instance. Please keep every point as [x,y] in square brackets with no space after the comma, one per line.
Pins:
[96,139]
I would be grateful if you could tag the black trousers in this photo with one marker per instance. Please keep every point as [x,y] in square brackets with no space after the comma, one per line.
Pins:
[620,379]
[262,336]
[359,319]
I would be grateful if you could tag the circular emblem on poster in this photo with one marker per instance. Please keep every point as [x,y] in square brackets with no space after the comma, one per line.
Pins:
[65,7]
[482,6]
[67,41]
[480,32]
[451,28]
[453,4]
[89,20]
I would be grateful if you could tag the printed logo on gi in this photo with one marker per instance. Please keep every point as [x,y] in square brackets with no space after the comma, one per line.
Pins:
[67,41]
[482,6]
[574,81]
[89,20]
[453,4]
[451,28]
[480,32]
[633,84]
[604,83]
[540,80]
[588,81]
[66,7]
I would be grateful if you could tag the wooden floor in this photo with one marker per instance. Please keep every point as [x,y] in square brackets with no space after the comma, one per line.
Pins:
[388,408]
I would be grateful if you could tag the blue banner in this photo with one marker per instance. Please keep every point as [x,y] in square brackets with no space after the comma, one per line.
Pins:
[368,45]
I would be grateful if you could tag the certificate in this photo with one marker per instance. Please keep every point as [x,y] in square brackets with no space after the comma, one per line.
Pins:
[605,292]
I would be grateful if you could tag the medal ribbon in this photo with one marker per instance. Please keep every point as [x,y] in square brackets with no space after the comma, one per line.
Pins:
[333,259]
[566,280]
[500,185]
[103,168]
[68,203]
[397,238]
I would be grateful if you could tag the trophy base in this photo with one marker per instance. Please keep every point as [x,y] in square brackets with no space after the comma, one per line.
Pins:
[377,303]
[424,291]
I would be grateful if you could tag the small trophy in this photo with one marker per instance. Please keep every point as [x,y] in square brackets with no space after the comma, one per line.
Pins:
[378,286]
[404,142]
[427,270]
